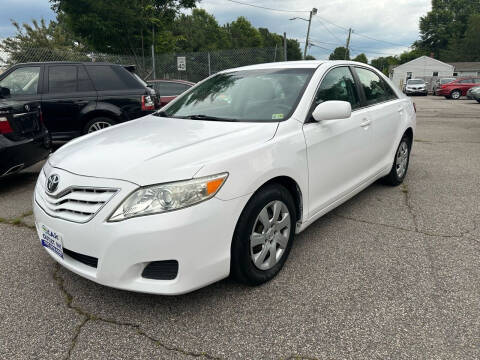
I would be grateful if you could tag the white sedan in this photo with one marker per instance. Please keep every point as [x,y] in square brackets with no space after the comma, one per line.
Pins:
[220,181]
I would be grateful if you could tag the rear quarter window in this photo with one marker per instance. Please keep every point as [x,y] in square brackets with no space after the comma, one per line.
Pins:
[107,77]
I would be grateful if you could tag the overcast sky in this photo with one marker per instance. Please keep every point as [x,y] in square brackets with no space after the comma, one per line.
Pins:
[394,22]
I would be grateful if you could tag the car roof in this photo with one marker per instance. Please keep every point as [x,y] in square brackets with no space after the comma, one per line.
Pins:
[89,63]
[300,64]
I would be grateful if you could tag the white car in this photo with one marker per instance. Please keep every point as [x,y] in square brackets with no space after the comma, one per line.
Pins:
[416,87]
[221,179]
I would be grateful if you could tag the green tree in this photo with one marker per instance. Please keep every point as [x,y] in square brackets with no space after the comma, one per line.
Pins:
[200,32]
[310,57]
[119,26]
[339,54]
[384,63]
[445,24]
[293,50]
[361,58]
[243,34]
[39,41]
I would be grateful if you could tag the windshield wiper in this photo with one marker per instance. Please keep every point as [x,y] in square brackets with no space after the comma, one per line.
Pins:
[208,118]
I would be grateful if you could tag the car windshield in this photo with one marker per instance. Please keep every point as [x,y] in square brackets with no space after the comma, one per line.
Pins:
[248,95]
[415,82]
[446,81]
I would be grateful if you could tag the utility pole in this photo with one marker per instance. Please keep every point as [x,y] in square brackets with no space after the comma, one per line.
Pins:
[309,20]
[313,12]
[285,46]
[348,42]
[153,53]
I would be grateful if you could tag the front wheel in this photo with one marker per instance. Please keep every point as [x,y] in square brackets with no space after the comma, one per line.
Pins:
[455,94]
[263,236]
[400,164]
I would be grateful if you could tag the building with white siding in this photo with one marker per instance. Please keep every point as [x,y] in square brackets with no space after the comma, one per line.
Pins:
[422,67]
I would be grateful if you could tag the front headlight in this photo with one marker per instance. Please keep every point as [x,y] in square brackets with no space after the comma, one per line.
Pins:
[168,197]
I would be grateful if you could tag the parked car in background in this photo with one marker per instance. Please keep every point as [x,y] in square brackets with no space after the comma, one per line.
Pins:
[206,187]
[79,98]
[474,93]
[416,87]
[439,82]
[168,90]
[458,88]
[24,140]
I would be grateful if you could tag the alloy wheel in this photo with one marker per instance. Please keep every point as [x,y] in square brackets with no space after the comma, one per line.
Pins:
[98,125]
[270,235]
[401,161]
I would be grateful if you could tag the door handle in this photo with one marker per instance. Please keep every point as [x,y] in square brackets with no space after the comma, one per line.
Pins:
[366,123]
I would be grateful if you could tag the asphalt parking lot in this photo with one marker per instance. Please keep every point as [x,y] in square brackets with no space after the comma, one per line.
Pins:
[393,273]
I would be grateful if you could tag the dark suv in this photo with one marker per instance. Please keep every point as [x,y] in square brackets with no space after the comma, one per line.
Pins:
[78,98]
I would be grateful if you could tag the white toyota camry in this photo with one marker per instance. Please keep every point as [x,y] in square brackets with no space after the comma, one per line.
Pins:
[221,179]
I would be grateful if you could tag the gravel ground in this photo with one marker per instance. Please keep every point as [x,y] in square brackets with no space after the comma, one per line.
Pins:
[393,273]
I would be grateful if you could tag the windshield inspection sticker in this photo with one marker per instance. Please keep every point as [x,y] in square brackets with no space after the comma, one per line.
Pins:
[277,116]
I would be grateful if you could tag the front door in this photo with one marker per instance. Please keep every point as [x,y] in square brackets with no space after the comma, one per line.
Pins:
[338,150]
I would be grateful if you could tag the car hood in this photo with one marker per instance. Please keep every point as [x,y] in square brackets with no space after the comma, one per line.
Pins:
[155,150]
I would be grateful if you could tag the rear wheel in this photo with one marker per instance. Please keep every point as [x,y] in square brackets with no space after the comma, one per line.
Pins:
[263,236]
[98,123]
[478,100]
[400,163]
[455,94]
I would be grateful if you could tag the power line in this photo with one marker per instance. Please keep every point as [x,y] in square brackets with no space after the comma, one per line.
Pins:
[372,38]
[331,33]
[268,8]
[360,34]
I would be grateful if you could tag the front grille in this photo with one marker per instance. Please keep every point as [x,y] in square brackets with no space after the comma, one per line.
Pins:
[161,270]
[84,259]
[77,204]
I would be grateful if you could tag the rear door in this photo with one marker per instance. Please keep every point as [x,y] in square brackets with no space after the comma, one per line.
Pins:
[68,94]
[384,111]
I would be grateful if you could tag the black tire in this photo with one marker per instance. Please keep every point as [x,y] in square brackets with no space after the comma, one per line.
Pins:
[98,120]
[393,178]
[478,100]
[242,267]
[456,94]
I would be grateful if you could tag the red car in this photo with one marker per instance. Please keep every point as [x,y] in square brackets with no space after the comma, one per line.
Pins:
[168,90]
[458,88]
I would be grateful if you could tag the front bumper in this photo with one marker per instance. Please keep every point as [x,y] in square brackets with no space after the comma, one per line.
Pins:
[198,237]
[416,91]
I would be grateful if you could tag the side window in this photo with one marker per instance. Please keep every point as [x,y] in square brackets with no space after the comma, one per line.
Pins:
[62,79]
[338,84]
[22,81]
[476,81]
[466,81]
[106,77]
[171,88]
[84,82]
[376,89]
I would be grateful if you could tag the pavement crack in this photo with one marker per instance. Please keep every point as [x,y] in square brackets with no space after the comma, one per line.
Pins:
[91,317]
[408,204]
[18,221]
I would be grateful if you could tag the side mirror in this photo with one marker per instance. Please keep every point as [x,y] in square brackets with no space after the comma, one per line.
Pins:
[332,110]
[4,92]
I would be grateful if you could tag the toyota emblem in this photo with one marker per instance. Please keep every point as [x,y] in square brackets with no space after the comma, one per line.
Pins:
[52,183]
[27,108]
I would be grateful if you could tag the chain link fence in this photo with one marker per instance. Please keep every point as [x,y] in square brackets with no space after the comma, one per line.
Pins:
[197,65]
